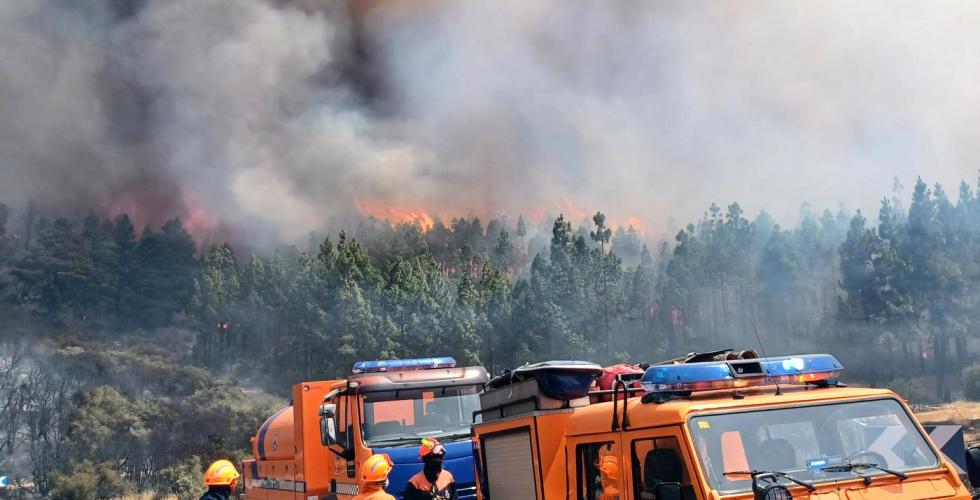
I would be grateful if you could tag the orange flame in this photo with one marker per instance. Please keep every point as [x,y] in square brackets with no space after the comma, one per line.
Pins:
[391,213]
[536,215]
[631,221]
[396,213]
[197,221]
[575,214]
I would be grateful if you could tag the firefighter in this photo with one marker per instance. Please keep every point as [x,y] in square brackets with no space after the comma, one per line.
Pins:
[609,476]
[433,482]
[221,479]
[374,478]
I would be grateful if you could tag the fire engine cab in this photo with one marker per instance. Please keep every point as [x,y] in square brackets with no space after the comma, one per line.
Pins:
[731,426]
[314,447]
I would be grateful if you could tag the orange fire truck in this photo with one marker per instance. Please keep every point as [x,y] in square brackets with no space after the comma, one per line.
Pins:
[727,425]
[313,448]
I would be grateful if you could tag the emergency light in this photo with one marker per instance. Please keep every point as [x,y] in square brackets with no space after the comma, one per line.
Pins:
[398,365]
[735,374]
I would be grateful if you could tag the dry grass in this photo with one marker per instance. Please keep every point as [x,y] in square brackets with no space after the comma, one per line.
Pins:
[147,496]
[965,413]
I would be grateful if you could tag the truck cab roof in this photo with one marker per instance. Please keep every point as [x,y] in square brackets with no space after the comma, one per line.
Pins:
[417,379]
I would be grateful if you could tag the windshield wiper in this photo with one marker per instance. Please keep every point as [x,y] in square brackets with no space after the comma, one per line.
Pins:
[392,441]
[774,474]
[457,435]
[850,467]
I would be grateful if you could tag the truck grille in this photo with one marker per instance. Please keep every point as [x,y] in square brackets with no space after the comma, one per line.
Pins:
[467,491]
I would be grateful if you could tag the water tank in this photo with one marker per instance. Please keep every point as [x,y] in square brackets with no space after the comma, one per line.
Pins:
[274,441]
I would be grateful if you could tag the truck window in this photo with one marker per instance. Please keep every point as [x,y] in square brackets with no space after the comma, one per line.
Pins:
[659,460]
[344,428]
[403,417]
[592,483]
[803,439]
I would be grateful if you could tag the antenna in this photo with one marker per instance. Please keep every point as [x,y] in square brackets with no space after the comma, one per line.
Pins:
[779,391]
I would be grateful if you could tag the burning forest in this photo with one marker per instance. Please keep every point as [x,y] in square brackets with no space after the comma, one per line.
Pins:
[203,202]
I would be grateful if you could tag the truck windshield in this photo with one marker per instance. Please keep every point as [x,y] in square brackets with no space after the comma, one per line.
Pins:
[404,417]
[801,441]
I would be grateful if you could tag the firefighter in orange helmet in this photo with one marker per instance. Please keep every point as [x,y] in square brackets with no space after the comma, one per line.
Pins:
[432,482]
[221,479]
[374,478]
[609,476]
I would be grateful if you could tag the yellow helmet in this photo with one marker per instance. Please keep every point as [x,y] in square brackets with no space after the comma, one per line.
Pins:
[376,468]
[221,473]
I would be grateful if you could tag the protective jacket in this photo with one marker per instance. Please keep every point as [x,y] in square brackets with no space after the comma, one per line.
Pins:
[217,493]
[373,492]
[420,488]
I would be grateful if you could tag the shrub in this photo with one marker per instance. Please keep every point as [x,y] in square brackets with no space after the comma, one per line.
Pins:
[89,482]
[182,479]
[914,390]
[971,382]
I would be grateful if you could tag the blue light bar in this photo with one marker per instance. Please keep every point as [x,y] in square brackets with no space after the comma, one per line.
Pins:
[733,374]
[689,373]
[397,365]
[801,365]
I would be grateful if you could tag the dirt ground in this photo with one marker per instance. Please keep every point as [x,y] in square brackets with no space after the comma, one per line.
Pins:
[963,413]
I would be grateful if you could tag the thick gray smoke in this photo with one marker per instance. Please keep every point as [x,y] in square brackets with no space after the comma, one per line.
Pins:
[277,117]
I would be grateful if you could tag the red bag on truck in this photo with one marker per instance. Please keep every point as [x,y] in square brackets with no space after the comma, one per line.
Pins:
[610,374]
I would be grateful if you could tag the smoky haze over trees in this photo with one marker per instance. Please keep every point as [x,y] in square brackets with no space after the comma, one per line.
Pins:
[113,339]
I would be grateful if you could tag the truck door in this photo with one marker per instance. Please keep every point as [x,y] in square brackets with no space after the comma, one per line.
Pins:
[340,477]
[596,472]
[657,456]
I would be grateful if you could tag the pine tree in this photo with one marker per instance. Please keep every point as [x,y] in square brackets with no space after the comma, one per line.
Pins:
[503,255]
[161,277]
[642,309]
[215,304]
[98,239]
[780,286]
[495,305]
[601,234]
[521,234]
[924,248]
[59,274]
[4,215]
[627,244]
[681,289]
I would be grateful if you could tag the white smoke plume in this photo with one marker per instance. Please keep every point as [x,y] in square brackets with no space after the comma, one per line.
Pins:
[277,118]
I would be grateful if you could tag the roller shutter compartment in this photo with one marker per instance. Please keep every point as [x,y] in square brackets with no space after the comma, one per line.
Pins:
[509,466]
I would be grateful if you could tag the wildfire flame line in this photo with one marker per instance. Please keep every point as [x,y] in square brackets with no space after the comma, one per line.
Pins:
[425,218]
[392,213]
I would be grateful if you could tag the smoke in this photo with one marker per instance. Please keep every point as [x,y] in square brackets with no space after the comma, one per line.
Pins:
[276,118]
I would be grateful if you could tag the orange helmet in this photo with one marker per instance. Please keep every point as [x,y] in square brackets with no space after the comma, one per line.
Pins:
[376,468]
[431,446]
[609,474]
[609,468]
[221,473]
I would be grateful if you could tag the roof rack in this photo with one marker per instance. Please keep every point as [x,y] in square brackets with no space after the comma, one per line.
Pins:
[549,385]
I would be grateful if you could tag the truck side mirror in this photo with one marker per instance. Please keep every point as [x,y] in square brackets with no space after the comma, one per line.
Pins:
[328,425]
[669,491]
[973,465]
